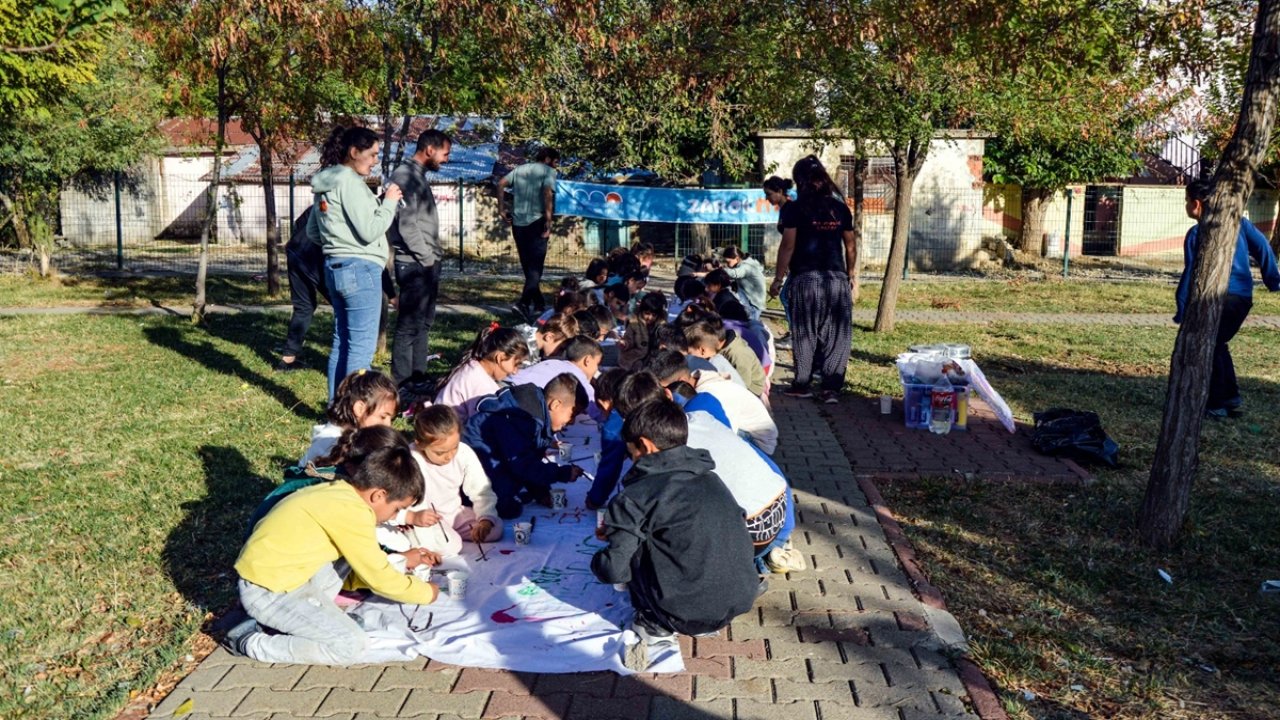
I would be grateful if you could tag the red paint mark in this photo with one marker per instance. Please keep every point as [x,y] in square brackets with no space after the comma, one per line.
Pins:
[506,552]
[503,617]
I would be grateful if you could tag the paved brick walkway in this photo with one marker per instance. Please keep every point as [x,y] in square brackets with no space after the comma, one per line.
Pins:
[846,639]
[881,447]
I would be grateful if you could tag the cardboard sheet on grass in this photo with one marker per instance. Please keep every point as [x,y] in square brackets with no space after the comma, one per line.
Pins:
[534,607]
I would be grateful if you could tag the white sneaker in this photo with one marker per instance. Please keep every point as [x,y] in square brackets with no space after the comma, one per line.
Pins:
[234,640]
[785,559]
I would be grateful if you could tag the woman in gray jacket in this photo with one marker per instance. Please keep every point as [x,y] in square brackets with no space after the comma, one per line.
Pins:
[350,223]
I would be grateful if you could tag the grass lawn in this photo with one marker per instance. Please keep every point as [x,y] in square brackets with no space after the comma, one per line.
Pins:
[136,447]
[1058,597]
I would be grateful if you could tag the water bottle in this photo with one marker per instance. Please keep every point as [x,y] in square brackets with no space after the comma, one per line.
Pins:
[940,410]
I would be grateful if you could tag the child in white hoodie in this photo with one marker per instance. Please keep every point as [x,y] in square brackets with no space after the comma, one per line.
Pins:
[441,523]
[364,399]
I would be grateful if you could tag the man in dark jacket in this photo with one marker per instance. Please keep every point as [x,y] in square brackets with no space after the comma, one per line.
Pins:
[511,433]
[676,536]
[415,237]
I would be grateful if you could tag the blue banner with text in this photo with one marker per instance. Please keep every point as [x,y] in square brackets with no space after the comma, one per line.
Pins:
[671,205]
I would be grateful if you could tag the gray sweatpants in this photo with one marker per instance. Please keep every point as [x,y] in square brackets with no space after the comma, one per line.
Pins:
[313,630]
[821,326]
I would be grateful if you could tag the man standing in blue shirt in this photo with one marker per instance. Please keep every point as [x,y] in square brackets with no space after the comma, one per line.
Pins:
[1224,392]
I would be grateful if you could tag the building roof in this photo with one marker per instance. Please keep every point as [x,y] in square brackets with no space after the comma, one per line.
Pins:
[197,134]
[477,147]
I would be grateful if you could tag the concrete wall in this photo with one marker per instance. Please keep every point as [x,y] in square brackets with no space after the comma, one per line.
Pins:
[947,219]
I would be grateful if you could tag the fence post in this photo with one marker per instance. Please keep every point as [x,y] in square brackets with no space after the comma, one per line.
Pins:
[119,224]
[292,184]
[1066,237]
[461,232]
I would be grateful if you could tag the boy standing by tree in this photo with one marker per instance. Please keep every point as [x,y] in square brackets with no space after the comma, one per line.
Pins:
[1224,392]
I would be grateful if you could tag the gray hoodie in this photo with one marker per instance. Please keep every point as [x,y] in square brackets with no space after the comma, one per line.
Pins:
[348,219]
[415,233]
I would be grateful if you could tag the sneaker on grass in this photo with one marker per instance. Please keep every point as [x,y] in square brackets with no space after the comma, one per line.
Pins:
[798,391]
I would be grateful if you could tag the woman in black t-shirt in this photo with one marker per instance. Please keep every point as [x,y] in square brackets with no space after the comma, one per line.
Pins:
[819,251]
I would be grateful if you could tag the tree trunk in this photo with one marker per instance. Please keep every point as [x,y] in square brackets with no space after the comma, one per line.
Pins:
[857,192]
[1035,203]
[907,159]
[1169,489]
[211,202]
[267,164]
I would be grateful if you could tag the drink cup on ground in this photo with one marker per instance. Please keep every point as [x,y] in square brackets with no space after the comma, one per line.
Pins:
[886,404]
[559,499]
[458,584]
[523,533]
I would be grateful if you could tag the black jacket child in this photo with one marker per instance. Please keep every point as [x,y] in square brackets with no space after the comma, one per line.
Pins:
[511,433]
[677,538]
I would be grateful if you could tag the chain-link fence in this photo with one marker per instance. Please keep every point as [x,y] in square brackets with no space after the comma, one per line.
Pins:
[154,226]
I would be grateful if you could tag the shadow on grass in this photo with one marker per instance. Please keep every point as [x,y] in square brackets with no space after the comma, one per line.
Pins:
[201,551]
[242,330]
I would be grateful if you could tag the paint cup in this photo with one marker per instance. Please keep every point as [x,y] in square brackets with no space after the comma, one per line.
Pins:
[600,518]
[566,449]
[886,404]
[524,532]
[423,572]
[458,584]
[559,499]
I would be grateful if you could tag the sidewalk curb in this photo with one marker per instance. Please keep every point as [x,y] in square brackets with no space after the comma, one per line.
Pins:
[985,701]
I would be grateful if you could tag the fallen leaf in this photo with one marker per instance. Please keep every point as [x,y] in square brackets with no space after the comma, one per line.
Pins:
[184,708]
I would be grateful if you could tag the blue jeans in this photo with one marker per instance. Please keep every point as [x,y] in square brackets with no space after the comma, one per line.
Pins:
[355,290]
[785,299]
[313,630]
[788,527]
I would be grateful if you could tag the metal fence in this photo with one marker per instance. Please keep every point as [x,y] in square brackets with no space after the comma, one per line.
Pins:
[153,225]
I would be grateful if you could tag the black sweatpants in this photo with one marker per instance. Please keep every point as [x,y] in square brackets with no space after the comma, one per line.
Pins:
[1224,391]
[532,249]
[415,314]
[306,273]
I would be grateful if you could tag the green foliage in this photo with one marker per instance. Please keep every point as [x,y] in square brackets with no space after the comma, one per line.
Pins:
[1052,165]
[50,47]
[95,129]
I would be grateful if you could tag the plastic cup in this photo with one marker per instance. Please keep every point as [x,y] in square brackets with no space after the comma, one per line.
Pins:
[559,499]
[886,404]
[600,518]
[458,584]
[566,449]
[524,532]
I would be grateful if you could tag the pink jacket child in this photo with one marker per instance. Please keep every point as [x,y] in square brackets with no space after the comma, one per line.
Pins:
[496,353]
[441,523]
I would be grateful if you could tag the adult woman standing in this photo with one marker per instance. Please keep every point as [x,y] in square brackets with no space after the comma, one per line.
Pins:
[351,225]
[777,191]
[818,256]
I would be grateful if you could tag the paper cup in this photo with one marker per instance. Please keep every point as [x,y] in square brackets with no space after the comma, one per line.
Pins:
[566,449]
[886,404]
[600,518]
[458,584]
[523,533]
[398,562]
[423,572]
[559,499]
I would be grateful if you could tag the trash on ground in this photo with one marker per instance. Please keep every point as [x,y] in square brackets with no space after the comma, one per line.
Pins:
[1164,575]
[1074,433]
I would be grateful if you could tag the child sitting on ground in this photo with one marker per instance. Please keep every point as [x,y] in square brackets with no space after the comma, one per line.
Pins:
[617,299]
[637,342]
[747,413]
[580,355]
[645,254]
[613,451]
[567,302]
[552,334]
[720,288]
[708,339]
[364,398]
[293,564]
[676,537]
[440,522]
[495,353]
[512,432]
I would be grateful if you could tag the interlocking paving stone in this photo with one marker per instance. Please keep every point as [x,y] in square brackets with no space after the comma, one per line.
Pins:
[679,687]
[783,668]
[753,709]
[663,708]
[717,647]
[707,688]
[218,703]
[304,703]
[426,702]
[595,684]
[548,707]
[360,678]
[834,692]
[386,703]
[258,675]
[477,679]
[591,708]
[440,680]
